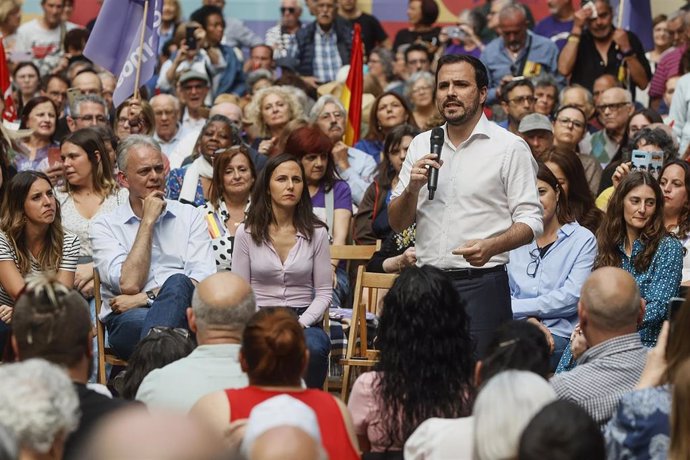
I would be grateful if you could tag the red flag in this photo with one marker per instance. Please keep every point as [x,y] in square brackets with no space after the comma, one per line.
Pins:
[351,96]
[10,112]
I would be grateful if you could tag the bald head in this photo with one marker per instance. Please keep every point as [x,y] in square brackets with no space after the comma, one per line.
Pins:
[611,300]
[228,109]
[134,433]
[223,301]
[615,95]
[285,443]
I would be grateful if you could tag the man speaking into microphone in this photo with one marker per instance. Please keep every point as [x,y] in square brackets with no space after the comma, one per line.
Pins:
[483,202]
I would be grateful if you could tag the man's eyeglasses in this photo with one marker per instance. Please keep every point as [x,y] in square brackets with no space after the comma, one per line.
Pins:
[288,9]
[565,121]
[533,266]
[612,107]
[92,118]
[522,99]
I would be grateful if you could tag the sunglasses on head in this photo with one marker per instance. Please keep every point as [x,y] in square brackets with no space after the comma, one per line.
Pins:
[287,9]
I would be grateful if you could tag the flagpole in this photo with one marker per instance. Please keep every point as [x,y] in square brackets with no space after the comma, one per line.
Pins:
[621,9]
[141,49]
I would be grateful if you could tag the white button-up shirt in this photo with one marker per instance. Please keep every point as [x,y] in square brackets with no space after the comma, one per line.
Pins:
[485,185]
[180,244]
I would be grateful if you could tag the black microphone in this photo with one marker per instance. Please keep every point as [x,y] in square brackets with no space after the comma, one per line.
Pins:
[436,146]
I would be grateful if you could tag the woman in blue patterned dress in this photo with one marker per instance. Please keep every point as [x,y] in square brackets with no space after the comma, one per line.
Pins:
[633,237]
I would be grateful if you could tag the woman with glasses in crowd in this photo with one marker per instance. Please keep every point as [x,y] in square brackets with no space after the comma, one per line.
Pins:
[274,355]
[231,185]
[89,190]
[381,75]
[569,128]
[388,111]
[192,183]
[31,239]
[419,90]
[633,237]
[546,275]
[571,179]
[282,251]
[134,116]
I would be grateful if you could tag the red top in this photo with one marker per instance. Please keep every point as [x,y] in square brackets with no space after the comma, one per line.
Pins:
[334,436]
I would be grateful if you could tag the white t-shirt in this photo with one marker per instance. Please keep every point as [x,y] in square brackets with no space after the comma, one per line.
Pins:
[441,439]
[43,44]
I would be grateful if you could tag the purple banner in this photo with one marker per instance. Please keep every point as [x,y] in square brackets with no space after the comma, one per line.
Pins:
[114,42]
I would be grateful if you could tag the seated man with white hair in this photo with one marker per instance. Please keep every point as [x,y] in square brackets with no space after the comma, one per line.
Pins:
[354,166]
[147,245]
[169,132]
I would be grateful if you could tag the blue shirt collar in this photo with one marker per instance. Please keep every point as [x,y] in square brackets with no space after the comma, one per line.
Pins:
[128,215]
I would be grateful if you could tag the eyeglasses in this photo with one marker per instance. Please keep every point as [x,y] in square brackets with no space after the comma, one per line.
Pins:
[422,89]
[612,107]
[533,266]
[522,99]
[338,115]
[565,121]
[182,332]
[92,118]
[288,9]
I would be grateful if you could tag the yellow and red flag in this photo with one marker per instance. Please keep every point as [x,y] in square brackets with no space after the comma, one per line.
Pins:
[10,111]
[351,96]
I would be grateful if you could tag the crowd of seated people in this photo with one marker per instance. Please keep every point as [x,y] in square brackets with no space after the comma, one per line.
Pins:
[206,206]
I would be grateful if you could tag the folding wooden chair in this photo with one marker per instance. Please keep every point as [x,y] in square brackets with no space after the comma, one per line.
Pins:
[349,253]
[105,355]
[358,352]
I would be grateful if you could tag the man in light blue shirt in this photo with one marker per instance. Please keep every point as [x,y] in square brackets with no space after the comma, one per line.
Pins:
[149,252]
[518,52]
[355,167]
[221,307]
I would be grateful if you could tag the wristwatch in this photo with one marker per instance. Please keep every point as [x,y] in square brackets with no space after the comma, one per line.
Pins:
[150,298]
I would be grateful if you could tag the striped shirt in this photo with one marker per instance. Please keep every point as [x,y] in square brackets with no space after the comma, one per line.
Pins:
[68,261]
[668,67]
[604,373]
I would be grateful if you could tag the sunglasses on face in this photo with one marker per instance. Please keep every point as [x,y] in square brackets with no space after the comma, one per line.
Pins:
[287,9]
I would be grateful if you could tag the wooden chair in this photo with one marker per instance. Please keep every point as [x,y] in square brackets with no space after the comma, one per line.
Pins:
[349,253]
[358,352]
[105,355]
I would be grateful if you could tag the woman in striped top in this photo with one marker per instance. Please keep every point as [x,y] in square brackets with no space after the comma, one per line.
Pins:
[31,239]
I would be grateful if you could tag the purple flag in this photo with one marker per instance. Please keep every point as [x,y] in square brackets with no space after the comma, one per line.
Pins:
[114,42]
[637,18]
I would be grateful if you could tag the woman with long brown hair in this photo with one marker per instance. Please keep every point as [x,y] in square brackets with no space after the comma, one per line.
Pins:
[32,239]
[282,251]
[632,236]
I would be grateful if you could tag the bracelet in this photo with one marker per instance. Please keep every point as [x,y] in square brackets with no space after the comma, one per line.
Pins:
[572,34]
[574,39]
[629,53]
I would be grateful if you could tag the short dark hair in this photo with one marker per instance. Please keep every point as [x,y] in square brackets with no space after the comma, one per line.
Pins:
[562,430]
[516,345]
[46,79]
[430,12]
[202,14]
[511,85]
[51,322]
[481,76]
[418,47]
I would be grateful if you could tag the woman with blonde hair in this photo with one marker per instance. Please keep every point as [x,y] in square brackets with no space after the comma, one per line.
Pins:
[89,190]
[270,110]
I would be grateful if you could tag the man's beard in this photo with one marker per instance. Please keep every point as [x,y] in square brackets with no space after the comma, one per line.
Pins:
[461,117]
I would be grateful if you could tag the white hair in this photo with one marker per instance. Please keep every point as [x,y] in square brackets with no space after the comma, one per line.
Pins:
[321,102]
[38,403]
[505,405]
[135,140]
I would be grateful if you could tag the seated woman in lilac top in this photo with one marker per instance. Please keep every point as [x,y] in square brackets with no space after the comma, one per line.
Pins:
[282,251]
